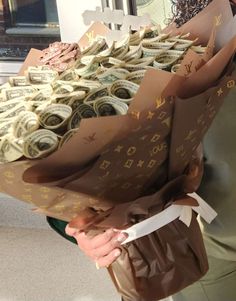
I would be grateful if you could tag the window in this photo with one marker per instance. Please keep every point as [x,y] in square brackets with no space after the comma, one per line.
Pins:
[33,13]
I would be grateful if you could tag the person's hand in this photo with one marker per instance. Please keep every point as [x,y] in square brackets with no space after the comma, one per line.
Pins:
[103,248]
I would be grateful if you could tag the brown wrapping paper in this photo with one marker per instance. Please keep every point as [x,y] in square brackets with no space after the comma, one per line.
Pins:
[123,169]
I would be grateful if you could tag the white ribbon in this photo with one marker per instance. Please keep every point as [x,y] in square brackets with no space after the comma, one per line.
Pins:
[183,212]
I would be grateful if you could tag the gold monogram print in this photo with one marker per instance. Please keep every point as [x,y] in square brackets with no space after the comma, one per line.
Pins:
[158,148]
[167,122]
[150,115]
[218,20]
[128,163]
[191,134]
[131,151]
[152,163]
[155,138]
[135,114]
[220,92]
[105,164]
[118,149]
[160,102]
[231,84]
[90,36]
[140,163]
[162,115]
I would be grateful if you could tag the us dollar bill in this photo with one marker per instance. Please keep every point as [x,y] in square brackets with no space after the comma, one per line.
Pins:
[82,111]
[139,64]
[10,149]
[39,144]
[18,81]
[111,75]
[135,52]
[41,76]
[16,92]
[25,123]
[15,111]
[123,90]
[166,60]
[69,75]
[136,76]
[55,116]
[98,93]
[6,126]
[107,106]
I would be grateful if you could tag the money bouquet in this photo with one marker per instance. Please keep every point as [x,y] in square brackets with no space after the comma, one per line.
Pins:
[132,166]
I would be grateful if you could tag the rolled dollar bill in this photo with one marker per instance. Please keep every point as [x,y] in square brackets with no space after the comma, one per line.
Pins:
[87,70]
[41,76]
[10,149]
[25,123]
[6,126]
[109,62]
[123,90]
[199,49]
[136,76]
[41,95]
[182,44]
[174,68]
[120,52]
[39,144]
[111,75]
[166,60]
[151,52]
[67,136]
[95,94]
[139,64]
[96,47]
[76,101]
[135,52]
[15,92]
[160,45]
[55,116]
[4,86]
[18,81]
[63,89]
[82,111]
[107,52]
[14,111]
[69,75]
[152,32]
[107,106]
[155,39]
[10,104]
[38,106]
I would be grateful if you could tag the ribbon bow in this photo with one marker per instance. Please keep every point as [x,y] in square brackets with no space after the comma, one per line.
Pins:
[177,210]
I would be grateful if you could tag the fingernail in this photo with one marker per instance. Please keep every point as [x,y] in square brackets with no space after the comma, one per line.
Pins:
[117,253]
[121,237]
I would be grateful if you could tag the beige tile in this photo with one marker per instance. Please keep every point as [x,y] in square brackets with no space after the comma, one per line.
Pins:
[39,265]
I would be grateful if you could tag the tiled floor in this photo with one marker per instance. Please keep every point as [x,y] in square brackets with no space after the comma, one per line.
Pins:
[38,265]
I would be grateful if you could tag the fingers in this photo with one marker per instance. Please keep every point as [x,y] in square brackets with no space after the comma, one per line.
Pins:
[109,259]
[103,248]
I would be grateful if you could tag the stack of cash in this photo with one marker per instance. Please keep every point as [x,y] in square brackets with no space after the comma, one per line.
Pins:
[40,111]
